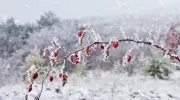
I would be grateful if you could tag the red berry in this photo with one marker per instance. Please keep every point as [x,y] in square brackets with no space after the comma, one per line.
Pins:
[35,75]
[129,58]
[60,75]
[30,88]
[55,54]
[76,54]
[80,33]
[115,44]
[102,47]
[77,60]
[51,78]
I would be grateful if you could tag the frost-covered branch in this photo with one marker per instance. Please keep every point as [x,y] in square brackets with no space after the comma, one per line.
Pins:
[128,40]
[79,55]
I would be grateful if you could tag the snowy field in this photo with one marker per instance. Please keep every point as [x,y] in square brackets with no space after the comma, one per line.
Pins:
[106,86]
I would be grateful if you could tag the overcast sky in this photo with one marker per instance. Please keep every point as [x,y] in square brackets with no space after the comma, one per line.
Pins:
[29,10]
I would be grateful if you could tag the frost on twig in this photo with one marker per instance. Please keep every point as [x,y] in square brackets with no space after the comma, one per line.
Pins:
[79,55]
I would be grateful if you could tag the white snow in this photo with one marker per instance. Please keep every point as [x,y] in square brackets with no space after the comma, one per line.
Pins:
[105,86]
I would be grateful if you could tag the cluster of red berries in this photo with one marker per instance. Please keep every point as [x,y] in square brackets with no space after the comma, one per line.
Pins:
[34,76]
[60,76]
[76,58]
[115,45]
[29,89]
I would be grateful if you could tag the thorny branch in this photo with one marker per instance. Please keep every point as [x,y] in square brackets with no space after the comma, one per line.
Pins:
[122,40]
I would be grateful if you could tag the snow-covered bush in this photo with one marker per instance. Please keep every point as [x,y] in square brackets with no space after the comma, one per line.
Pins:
[157,66]
[34,59]
[80,70]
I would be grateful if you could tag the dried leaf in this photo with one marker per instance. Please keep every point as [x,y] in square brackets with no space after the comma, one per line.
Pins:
[88,50]
[71,58]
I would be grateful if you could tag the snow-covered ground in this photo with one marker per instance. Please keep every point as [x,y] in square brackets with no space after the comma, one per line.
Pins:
[105,86]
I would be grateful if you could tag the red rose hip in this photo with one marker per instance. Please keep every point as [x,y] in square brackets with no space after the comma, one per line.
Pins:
[129,58]
[30,88]
[80,33]
[102,47]
[60,75]
[115,44]
[51,78]
[35,75]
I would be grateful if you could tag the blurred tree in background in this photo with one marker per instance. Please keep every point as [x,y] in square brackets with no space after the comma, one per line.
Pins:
[48,20]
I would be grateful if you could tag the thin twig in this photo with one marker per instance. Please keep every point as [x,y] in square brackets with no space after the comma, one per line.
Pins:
[42,85]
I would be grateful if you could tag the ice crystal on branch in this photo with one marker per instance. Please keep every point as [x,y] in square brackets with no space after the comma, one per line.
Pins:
[92,43]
